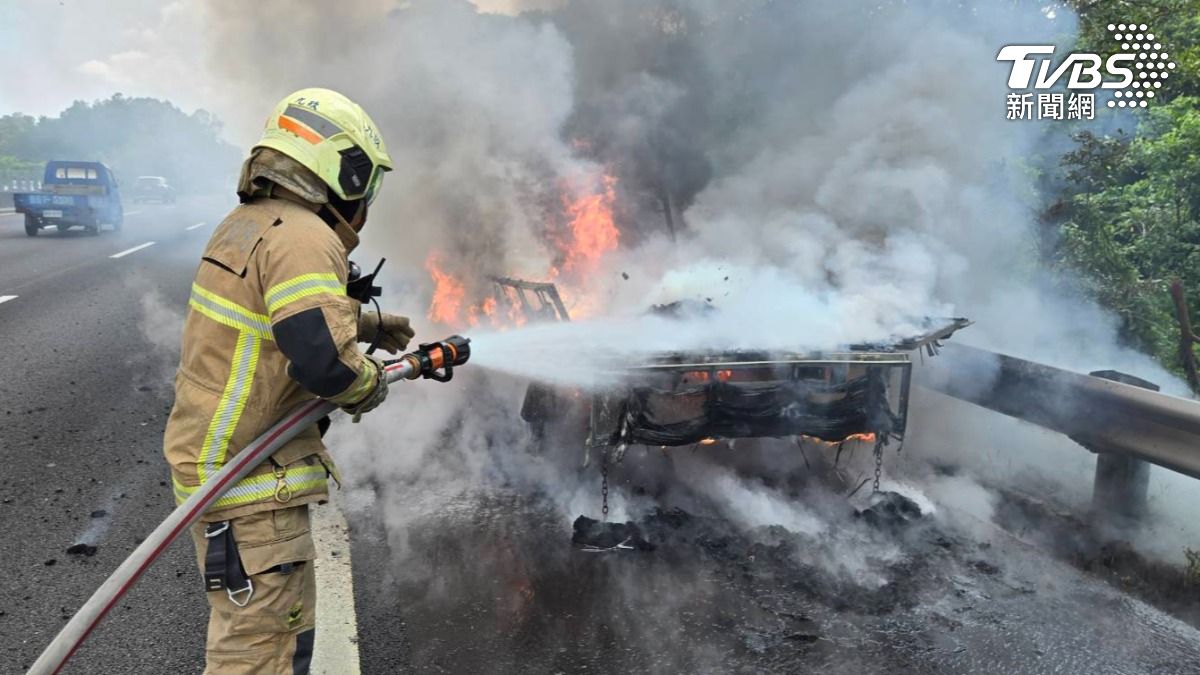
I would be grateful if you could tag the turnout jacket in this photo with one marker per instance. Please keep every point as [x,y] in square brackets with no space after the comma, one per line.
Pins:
[269,326]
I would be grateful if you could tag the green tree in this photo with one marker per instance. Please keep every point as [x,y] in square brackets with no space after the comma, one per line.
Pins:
[1129,220]
[134,136]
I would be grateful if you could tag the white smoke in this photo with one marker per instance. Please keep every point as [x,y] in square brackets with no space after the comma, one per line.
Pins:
[161,325]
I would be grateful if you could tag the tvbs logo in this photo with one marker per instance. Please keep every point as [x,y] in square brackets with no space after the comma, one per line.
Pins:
[1132,74]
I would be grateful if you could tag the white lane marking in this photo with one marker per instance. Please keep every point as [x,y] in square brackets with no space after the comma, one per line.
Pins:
[132,250]
[132,213]
[192,227]
[336,648]
[6,298]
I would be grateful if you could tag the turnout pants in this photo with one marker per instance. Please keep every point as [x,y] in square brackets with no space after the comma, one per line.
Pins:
[263,615]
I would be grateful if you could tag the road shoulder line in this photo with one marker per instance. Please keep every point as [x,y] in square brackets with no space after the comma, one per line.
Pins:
[336,648]
[135,249]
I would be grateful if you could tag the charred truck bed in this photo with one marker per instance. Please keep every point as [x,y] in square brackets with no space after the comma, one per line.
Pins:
[688,398]
[684,400]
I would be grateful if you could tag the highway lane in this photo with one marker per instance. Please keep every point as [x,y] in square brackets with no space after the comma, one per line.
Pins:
[27,261]
[89,349]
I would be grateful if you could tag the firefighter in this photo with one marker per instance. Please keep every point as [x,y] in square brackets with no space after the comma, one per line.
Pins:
[270,325]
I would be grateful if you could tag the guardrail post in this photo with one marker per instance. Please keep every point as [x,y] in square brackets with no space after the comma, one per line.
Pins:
[1122,482]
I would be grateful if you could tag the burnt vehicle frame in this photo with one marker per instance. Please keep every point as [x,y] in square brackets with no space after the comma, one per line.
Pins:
[682,399]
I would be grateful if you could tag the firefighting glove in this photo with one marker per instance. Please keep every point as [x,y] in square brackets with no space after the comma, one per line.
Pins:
[377,394]
[393,335]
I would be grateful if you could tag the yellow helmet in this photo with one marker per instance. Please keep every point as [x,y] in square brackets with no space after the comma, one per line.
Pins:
[333,137]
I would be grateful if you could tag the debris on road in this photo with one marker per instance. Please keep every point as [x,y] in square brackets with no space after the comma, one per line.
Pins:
[595,535]
[889,510]
[82,549]
[923,597]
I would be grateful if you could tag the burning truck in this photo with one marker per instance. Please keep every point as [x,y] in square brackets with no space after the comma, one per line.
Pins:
[853,393]
[859,393]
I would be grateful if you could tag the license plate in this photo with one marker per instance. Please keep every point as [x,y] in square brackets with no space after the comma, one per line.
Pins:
[52,213]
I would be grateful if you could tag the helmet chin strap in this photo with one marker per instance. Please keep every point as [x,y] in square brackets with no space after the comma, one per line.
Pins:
[354,220]
[360,216]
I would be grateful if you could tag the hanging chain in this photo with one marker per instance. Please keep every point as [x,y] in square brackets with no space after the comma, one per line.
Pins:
[604,484]
[878,465]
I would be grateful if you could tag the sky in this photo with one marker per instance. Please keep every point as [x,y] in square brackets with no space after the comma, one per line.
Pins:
[58,52]
[86,50]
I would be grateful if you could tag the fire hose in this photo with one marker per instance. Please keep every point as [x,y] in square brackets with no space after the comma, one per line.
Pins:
[434,361]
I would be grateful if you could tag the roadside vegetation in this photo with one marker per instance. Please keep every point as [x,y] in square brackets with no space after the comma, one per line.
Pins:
[134,136]
[1122,209]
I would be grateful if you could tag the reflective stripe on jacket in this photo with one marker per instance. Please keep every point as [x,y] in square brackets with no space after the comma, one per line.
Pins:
[269,326]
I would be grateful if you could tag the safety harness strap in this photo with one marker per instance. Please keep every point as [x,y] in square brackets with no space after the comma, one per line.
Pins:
[223,566]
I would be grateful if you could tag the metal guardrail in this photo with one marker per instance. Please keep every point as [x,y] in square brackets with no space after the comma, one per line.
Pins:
[1102,415]
[21,185]
[9,186]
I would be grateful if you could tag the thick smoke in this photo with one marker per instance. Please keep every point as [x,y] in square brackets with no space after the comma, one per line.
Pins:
[818,163]
[473,105]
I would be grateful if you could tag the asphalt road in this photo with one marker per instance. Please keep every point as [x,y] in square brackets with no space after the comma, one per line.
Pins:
[487,582]
[89,348]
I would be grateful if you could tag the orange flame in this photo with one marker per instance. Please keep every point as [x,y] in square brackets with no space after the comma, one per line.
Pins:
[702,376]
[516,315]
[593,232]
[448,292]
[590,233]
[864,437]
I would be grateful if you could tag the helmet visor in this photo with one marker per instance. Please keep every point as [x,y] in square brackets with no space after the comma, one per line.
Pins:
[374,185]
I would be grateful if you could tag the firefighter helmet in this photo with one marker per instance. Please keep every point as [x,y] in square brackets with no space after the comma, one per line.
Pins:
[332,137]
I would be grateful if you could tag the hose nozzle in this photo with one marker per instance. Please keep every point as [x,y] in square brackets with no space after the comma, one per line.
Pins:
[436,360]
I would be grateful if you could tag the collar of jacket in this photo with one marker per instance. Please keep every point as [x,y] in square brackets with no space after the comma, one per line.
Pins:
[266,167]
[341,228]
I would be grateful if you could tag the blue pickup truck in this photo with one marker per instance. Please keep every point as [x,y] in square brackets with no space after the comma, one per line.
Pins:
[74,194]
